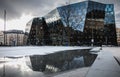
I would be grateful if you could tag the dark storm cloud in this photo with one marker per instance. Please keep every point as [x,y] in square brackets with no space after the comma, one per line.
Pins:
[11,12]
[15,8]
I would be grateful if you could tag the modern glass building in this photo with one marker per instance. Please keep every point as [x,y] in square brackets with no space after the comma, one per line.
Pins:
[36,32]
[83,23]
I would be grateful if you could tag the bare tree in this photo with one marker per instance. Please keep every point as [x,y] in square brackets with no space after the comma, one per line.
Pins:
[66,14]
[72,19]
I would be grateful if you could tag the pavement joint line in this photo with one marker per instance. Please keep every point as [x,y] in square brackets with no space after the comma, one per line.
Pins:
[117,60]
[104,59]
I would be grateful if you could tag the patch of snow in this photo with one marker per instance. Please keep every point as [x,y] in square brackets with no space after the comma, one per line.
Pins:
[95,49]
[35,50]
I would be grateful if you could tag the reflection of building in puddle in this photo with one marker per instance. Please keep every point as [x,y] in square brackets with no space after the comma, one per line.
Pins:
[61,61]
[52,68]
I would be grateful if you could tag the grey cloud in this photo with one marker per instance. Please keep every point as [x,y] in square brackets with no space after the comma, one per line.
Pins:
[11,12]
[15,8]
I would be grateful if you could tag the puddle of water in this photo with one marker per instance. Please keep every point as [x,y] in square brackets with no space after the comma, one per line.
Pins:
[43,65]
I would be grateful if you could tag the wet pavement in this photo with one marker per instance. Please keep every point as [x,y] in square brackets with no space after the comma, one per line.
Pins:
[105,65]
[48,65]
[115,51]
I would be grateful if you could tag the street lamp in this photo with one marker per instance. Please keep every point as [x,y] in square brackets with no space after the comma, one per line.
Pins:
[106,35]
[4,27]
[4,68]
[36,35]
[102,30]
[92,40]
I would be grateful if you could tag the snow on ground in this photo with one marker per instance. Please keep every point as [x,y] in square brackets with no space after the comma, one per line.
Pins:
[35,50]
[95,49]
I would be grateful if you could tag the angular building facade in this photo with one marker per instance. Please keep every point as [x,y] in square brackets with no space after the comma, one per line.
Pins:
[36,32]
[83,23]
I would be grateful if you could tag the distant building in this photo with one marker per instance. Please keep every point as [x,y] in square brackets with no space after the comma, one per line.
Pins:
[118,35]
[83,23]
[1,38]
[14,37]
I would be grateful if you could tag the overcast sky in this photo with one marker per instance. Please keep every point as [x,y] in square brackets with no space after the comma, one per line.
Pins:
[19,12]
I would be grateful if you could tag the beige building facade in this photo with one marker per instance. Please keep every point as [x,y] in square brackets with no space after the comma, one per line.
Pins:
[118,35]
[12,38]
[1,38]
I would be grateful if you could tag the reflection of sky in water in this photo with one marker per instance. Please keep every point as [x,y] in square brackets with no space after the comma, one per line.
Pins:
[17,68]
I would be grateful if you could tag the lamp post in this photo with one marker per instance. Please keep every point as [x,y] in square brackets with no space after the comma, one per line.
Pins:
[4,68]
[4,27]
[106,36]
[36,35]
[102,30]
[92,40]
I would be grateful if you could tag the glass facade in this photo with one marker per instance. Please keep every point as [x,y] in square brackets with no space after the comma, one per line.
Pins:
[93,31]
[37,32]
[74,15]
[82,23]
[109,14]
[56,28]
[109,21]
